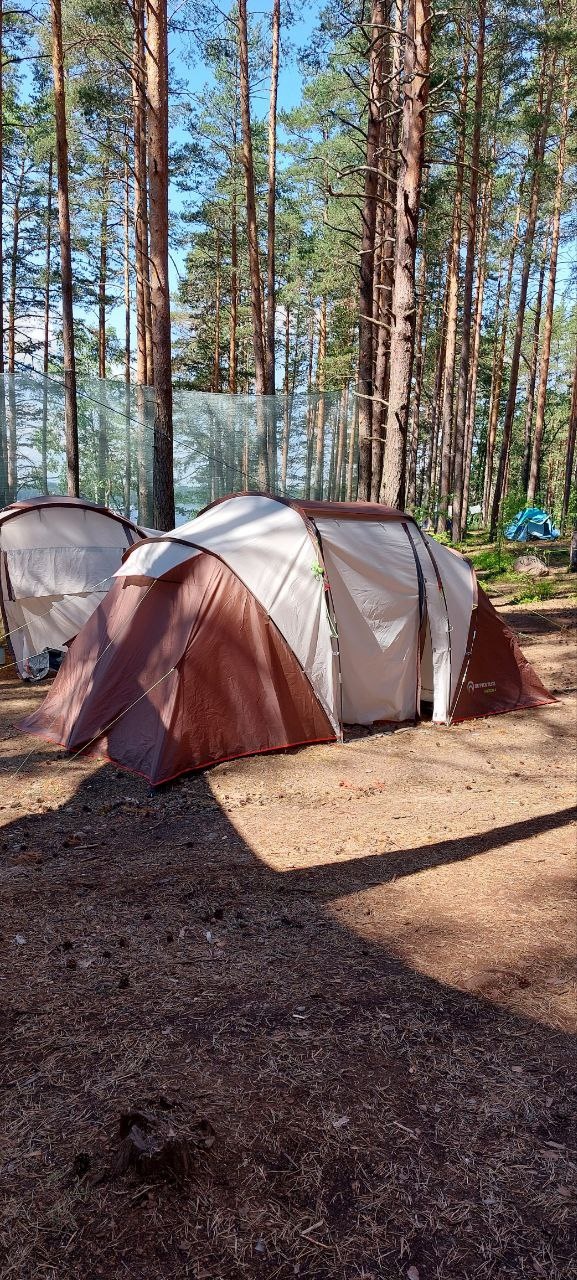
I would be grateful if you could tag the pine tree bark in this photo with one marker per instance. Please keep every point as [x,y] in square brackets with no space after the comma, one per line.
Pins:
[550,302]
[157,120]
[140,196]
[532,374]
[232,344]
[499,364]
[467,310]
[538,154]
[70,399]
[2,195]
[46,338]
[127,342]
[215,380]
[420,345]
[570,450]
[252,224]
[320,416]
[14,268]
[101,490]
[474,369]
[450,353]
[415,95]
[367,336]
[271,204]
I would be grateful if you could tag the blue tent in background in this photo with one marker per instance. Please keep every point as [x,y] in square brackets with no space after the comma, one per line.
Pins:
[531,523]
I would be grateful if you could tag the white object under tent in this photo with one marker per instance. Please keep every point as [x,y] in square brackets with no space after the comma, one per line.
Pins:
[57,558]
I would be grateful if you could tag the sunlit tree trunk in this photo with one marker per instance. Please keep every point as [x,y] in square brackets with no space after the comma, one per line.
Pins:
[367,336]
[452,310]
[127,343]
[499,364]
[550,302]
[46,338]
[271,204]
[157,119]
[70,400]
[321,385]
[215,381]
[140,196]
[467,309]
[538,154]
[415,94]
[532,372]
[255,280]
[232,344]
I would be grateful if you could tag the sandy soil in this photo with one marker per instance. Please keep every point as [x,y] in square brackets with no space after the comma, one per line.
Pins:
[355,961]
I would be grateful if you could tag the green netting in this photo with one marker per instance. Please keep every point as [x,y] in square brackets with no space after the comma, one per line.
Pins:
[301,445]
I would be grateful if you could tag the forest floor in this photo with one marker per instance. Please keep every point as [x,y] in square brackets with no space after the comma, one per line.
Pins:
[354,961]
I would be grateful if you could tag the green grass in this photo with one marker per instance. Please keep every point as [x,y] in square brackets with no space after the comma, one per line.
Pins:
[532,592]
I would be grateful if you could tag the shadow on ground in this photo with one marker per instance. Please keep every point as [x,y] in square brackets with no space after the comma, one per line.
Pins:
[368,1118]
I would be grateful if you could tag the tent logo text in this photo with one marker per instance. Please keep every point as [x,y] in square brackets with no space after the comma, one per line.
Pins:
[488,686]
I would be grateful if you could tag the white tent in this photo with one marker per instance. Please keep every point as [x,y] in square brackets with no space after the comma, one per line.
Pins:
[57,557]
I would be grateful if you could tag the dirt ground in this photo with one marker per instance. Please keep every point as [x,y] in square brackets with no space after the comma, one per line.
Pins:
[356,962]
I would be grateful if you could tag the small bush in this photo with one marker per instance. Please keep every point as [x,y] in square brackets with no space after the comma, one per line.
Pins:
[532,591]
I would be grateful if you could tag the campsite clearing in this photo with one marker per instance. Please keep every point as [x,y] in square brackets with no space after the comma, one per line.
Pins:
[354,961]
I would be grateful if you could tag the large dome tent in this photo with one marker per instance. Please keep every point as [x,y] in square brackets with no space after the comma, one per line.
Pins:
[267,623]
[57,558]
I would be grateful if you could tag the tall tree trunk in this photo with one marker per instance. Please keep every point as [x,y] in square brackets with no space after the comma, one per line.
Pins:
[570,450]
[140,197]
[2,194]
[474,370]
[287,400]
[467,313]
[14,269]
[70,399]
[271,204]
[548,326]
[46,339]
[416,93]
[157,86]
[367,336]
[452,310]
[533,362]
[252,226]
[499,364]
[310,407]
[102,274]
[391,110]
[232,346]
[215,381]
[101,491]
[127,345]
[321,384]
[538,154]
[417,391]
[12,428]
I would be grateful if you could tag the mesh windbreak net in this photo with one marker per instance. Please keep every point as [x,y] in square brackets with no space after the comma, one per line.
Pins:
[300,446]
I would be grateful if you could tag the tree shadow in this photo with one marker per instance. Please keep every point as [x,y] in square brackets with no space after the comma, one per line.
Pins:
[369,1118]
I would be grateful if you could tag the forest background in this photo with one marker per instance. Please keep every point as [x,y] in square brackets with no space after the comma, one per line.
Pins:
[323,250]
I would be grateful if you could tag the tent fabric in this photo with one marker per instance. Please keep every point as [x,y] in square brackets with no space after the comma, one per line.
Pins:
[375,590]
[57,560]
[267,623]
[204,676]
[497,677]
[533,522]
[270,548]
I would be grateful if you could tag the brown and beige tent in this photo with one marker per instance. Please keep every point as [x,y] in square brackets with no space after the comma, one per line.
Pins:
[265,624]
